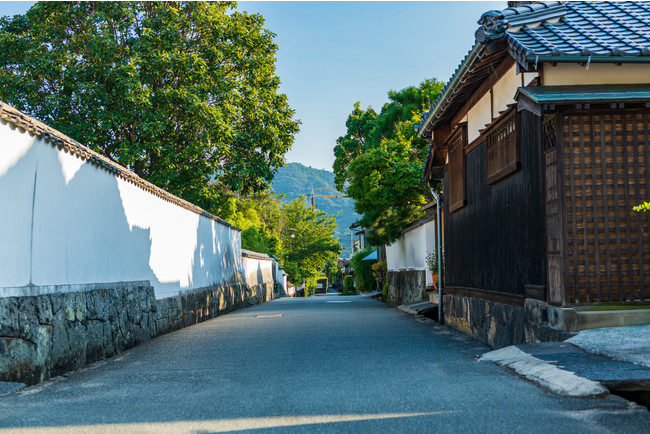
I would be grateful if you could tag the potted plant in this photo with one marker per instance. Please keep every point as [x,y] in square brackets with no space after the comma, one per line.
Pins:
[432,266]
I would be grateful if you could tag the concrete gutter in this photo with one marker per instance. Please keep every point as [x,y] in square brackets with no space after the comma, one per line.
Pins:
[573,320]
[587,59]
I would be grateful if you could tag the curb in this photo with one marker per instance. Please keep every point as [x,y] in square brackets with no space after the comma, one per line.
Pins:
[10,386]
[418,308]
[544,374]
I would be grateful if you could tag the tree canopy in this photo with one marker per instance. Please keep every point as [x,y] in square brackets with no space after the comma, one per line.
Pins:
[380,160]
[259,215]
[181,93]
[301,237]
[309,239]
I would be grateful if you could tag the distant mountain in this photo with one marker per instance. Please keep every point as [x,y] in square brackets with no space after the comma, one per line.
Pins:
[296,179]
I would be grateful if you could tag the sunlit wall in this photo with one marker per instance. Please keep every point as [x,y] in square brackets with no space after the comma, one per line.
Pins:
[66,221]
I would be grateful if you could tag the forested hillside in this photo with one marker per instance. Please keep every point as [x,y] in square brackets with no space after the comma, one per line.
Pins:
[296,179]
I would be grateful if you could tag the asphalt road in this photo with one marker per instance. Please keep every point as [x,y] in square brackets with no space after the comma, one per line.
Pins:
[323,364]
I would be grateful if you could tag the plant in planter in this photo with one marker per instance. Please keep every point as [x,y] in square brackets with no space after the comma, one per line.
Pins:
[432,266]
[643,207]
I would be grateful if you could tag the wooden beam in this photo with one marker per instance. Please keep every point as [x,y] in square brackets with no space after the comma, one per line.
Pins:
[441,133]
[461,114]
[487,295]
[493,78]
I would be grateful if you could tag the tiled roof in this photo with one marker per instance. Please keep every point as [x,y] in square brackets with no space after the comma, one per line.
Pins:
[600,93]
[581,32]
[593,29]
[70,146]
[255,255]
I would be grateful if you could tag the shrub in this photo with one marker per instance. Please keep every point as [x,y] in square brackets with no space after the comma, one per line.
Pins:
[432,262]
[310,286]
[348,285]
[379,270]
[384,292]
[363,271]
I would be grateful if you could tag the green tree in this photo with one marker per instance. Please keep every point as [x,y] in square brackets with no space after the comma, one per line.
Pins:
[302,238]
[260,216]
[381,167]
[363,274]
[332,272]
[359,124]
[179,92]
[309,241]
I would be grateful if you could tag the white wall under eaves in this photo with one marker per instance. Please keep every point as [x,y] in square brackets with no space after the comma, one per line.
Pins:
[490,105]
[258,271]
[65,221]
[597,73]
[410,250]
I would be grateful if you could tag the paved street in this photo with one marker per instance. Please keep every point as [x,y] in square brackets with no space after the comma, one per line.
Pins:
[323,364]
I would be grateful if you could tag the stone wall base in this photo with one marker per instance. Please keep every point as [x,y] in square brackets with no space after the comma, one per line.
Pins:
[500,325]
[406,286]
[47,335]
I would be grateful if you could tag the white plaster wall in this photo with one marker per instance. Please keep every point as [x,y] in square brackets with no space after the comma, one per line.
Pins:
[410,251]
[279,277]
[529,76]
[478,116]
[17,167]
[504,90]
[430,244]
[598,73]
[258,271]
[503,94]
[91,227]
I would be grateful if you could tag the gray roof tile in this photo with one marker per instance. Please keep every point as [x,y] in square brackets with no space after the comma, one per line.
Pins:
[585,29]
[581,31]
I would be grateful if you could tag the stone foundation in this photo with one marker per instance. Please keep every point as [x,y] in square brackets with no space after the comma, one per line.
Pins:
[406,286]
[500,325]
[46,335]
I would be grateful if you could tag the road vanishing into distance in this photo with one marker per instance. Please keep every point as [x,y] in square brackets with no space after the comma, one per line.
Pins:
[322,364]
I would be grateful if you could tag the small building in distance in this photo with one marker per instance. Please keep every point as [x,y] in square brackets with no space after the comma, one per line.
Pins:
[541,139]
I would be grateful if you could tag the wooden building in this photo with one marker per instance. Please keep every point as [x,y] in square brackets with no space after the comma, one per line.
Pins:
[541,139]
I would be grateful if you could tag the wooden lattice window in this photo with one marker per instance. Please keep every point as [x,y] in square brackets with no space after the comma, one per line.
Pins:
[503,156]
[457,170]
[548,133]
[606,159]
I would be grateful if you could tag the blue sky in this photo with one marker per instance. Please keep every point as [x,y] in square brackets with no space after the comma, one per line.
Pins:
[332,54]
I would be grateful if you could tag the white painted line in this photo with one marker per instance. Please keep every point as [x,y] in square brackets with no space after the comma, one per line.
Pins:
[228,425]
[546,375]
[346,301]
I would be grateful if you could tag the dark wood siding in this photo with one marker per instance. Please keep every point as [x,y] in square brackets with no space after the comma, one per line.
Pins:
[497,242]
[606,161]
[457,169]
[555,229]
